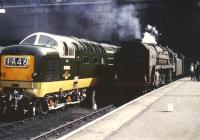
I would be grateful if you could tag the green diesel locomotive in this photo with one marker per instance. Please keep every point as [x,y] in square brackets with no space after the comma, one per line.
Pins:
[47,71]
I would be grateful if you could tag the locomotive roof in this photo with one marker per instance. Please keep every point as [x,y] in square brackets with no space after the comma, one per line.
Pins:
[82,44]
[56,37]
[33,50]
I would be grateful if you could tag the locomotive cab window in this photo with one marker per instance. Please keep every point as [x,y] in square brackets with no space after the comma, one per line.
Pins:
[30,40]
[45,40]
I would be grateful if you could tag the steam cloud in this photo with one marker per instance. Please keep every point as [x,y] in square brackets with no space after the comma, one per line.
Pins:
[128,23]
[106,21]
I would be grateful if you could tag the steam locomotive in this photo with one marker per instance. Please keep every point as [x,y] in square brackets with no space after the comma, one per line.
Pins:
[46,72]
[137,63]
[145,64]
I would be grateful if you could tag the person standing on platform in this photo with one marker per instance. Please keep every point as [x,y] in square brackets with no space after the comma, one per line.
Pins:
[192,72]
[198,71]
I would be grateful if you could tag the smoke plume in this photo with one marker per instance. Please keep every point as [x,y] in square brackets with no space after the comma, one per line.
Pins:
[101,20]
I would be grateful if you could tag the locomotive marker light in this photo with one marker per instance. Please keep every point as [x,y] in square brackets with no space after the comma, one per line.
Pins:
[2,10]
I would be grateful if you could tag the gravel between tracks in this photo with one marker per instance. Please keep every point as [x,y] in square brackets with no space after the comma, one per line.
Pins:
[32,128]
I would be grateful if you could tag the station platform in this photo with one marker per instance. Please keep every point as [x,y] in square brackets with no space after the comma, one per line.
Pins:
[171,112]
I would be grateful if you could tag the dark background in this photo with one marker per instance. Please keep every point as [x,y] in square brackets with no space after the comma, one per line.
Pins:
[106,20]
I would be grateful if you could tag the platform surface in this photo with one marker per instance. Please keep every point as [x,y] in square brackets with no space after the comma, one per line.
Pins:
[148,118]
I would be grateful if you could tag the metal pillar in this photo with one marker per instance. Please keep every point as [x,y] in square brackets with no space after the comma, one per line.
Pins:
[94,104]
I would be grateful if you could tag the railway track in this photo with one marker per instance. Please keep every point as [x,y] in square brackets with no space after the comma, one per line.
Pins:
[68,127]
[50,126]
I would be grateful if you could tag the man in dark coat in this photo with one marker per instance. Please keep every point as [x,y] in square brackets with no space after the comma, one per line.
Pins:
[197,71]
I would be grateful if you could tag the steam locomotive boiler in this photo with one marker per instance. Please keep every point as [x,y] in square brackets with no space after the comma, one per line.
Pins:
[137,62]
[46,72]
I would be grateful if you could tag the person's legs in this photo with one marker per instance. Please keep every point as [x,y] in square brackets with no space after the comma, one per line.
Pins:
[191,74]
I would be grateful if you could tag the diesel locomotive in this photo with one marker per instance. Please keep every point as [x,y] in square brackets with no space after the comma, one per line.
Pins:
[46,72]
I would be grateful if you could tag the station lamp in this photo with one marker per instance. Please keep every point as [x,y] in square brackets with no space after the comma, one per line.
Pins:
[2,10]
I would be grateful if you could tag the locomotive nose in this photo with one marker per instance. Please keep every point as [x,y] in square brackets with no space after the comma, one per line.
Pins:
[17,67]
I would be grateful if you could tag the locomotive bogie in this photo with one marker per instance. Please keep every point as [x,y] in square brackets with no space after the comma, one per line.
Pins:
[14,100]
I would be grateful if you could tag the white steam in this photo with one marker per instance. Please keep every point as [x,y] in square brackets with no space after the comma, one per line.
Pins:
[100,21]
[129,25]
[113,22]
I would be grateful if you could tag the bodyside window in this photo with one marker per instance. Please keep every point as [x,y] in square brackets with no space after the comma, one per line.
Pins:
[69,50]
[85,60]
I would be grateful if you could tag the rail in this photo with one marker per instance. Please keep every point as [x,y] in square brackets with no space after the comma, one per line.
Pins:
[72,125]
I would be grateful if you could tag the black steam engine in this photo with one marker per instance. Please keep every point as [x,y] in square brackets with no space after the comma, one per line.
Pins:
[146,64]
[136,64]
